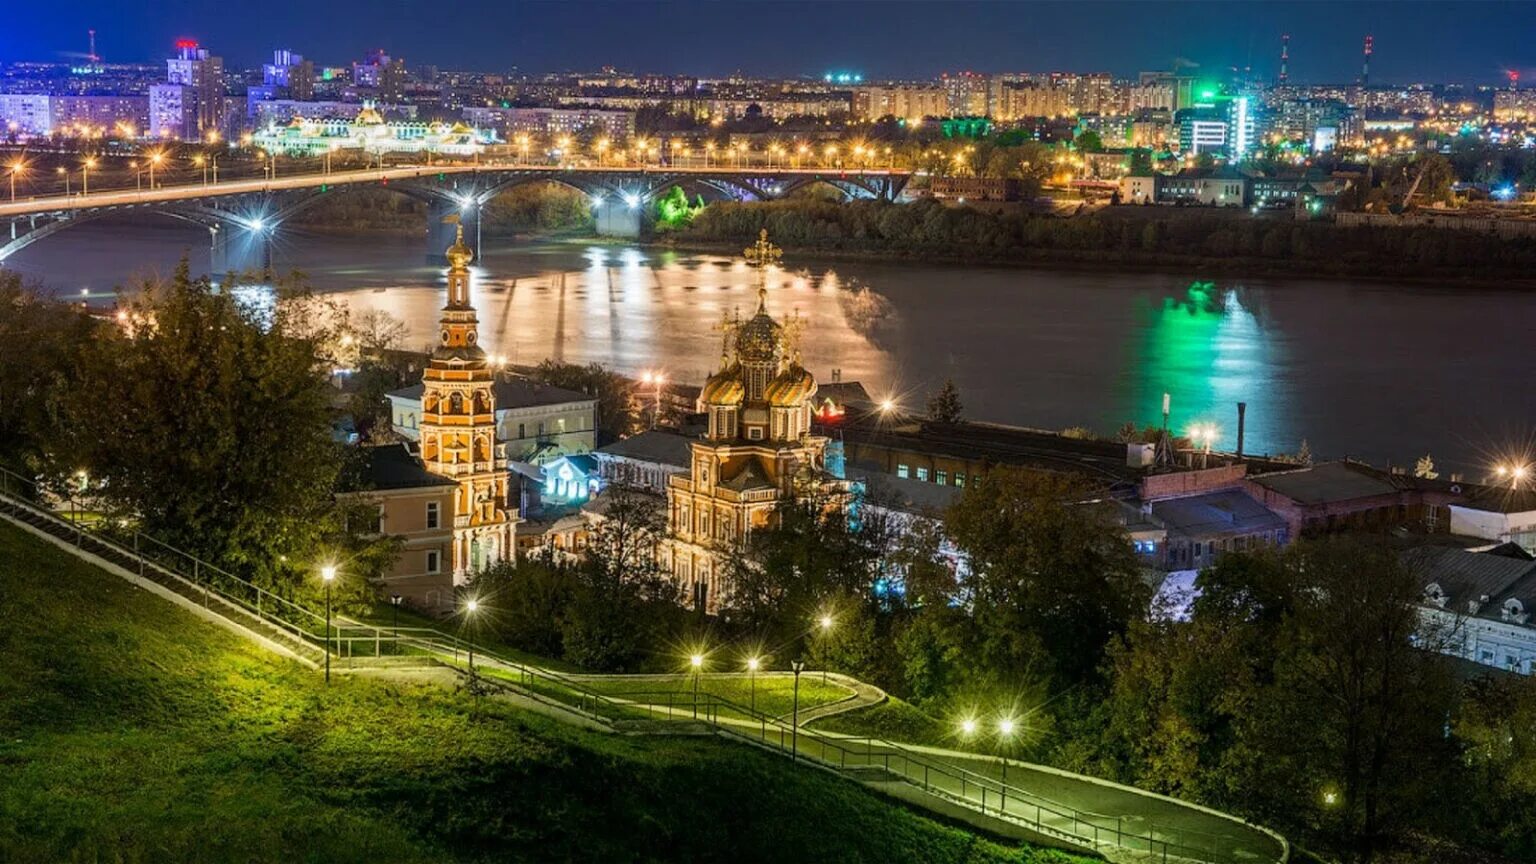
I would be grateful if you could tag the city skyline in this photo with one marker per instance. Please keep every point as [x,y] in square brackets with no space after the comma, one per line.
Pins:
[1478,44]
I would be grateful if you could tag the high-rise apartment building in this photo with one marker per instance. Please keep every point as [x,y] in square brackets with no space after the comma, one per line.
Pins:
[190,104]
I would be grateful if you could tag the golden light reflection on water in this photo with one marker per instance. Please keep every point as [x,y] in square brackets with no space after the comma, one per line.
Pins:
[622,311]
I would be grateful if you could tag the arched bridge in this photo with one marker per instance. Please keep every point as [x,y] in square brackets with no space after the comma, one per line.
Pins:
[241,215]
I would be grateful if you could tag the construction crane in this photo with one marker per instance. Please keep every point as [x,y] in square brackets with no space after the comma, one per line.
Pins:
[1412,188]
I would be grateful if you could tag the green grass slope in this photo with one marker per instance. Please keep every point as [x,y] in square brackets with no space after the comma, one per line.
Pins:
[130,731]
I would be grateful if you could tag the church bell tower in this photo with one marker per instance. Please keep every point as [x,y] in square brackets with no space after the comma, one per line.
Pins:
[458,428]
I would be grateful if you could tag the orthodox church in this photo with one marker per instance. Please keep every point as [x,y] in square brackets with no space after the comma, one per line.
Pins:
[449,503]
[757,451]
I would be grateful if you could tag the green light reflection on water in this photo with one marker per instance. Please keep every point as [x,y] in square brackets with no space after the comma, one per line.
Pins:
[1208,351]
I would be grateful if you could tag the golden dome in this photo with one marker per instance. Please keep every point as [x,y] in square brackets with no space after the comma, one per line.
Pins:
[758,339]
[724,388]
[459,255]
[369,116]
[792,388]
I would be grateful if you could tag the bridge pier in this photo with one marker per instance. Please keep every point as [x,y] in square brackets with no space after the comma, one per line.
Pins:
[239,250]
[614,216]
[440,234]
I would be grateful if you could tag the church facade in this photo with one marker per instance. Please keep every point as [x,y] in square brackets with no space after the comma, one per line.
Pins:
[458,428]
[756,453]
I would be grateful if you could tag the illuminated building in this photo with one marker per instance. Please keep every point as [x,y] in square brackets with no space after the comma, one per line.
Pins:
[758,451]
[190,103]
[535,422]
[510,122]
[291,74]
[370,132]
[458,429]
[900,100]
[1514,105]
[968,94]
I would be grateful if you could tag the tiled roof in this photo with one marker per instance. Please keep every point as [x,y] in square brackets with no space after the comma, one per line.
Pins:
[1229,511]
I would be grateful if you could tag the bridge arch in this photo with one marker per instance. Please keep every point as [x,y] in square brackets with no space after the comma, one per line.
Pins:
[195,215]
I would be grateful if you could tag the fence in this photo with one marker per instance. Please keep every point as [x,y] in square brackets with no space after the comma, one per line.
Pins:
[307,630]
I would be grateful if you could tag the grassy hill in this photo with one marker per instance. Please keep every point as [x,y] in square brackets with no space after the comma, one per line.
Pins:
[130,731]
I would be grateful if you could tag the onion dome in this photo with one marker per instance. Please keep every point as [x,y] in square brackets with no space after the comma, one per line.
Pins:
[791,388]
[369,116]
[459,254]
[724,388]
[758,339]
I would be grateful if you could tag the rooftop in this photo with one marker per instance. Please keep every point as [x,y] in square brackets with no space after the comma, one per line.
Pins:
[1230,511]
[389,466]
[906,495]
[653,445]
[512,392]
[1326,483]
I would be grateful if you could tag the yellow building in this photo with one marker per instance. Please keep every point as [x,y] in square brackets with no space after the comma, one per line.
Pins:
[458,429]
[757,452]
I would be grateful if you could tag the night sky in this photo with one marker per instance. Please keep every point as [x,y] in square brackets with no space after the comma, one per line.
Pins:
[1415,41]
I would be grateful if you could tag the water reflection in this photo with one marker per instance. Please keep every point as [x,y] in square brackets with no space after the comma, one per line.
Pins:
[1377,370]
[1208,351]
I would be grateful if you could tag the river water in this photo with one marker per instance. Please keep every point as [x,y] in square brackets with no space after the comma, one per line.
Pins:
[1376,371]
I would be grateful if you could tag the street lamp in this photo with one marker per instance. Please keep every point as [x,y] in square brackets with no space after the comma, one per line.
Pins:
[154,162]
[65,174]
[202,163]
[328,575]
[17,168]
[752,664]
[697,662]
[1514,472]
[794,726]
[394,600]
[469,610]
[825,622]
[657,379]
[85,174]
[1005,739]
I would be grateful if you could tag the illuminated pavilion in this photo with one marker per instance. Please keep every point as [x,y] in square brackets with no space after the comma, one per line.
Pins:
[757,453]
[371,133]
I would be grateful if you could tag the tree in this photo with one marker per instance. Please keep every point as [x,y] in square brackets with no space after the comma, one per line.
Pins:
[1304,453]
[209,423]
[623,604]
[1088,141]
[526,601]
[944,406]
[40,342]
[615,394]
[1052,580]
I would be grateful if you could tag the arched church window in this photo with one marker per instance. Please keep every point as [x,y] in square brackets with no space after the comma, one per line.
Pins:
[456,403]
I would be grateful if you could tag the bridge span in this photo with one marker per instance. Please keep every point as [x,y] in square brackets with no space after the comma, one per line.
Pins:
[241,215]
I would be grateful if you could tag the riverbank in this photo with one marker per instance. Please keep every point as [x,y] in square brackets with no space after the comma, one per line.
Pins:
[1206,245]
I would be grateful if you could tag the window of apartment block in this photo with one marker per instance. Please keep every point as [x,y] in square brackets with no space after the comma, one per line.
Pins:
[941,477]
[432,514]
[922,474]
[434,560]
[902,471]
[960,479]
[521,431]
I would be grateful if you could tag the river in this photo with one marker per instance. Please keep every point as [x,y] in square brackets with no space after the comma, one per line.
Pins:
[1376,371]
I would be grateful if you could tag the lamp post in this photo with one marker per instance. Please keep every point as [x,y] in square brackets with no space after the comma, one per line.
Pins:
[752,664]
[202,163]
[656,379]
[328,575]
[826,627]
[16,168]
[65,174]
[697,662]
[138,176]
[154,161]
[469,611]
[794,726]
[394,600]
[85,174]
[1004,739]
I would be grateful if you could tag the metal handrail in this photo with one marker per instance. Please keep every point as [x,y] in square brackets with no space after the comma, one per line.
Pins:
[706,707]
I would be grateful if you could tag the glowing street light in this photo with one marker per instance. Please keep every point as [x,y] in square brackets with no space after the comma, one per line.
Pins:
[65,174]
[656,379]
[328,575]
[697,663]
[470,606]
[967,728]
[154,162]
[794,725]
[1005,728]
[1514,472]
[17,168]
[752,664]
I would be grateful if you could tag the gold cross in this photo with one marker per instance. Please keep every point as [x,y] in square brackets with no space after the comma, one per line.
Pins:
[762,253]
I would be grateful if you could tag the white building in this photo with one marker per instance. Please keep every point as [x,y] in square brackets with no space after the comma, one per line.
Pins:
[1500,516]
[1477,604]
[536,422]
[511,122]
